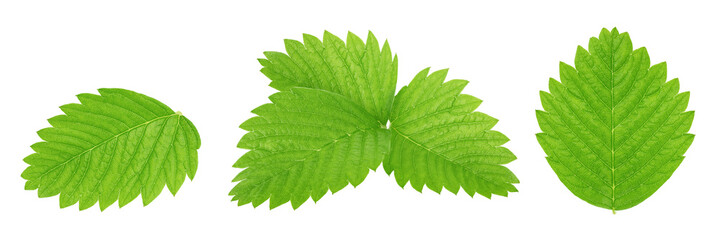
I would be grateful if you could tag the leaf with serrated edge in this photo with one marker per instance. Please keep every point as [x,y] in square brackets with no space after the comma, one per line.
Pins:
[328,126]
[614,129]
[116,145]
[306,142]
[439,141]
[364,73]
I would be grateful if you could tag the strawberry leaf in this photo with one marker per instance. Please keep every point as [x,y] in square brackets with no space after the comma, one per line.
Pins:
[438,140]
[327,127]
[614,129]
[113,146]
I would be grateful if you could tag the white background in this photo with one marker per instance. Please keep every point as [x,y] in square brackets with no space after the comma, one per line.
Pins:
[199,57]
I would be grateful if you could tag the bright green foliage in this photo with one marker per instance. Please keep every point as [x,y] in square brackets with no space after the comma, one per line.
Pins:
[304,143]
[112,146]
[327,127]
[438,140]
[614,129]
[361,72]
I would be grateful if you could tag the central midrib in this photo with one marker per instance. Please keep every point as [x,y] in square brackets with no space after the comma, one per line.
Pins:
[435,152]
[611,124]
[107,140]
[343,136]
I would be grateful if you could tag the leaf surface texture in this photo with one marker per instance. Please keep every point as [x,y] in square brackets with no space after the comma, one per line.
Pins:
[327,127]
[614,128]
[308,141]
[113,146]
[364,73]
[439,141]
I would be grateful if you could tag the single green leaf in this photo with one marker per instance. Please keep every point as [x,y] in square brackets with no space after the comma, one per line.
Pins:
[304,143]
[614,129]
[438,140]
[112,146]
[361,72]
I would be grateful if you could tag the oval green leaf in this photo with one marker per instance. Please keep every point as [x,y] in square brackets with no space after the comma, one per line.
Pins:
[614,130]
[113,146]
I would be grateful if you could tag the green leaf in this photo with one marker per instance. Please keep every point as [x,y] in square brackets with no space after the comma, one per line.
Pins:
[361,72]
[327,127]
[112,146]
[438,140]
[614,129]
[304,143]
